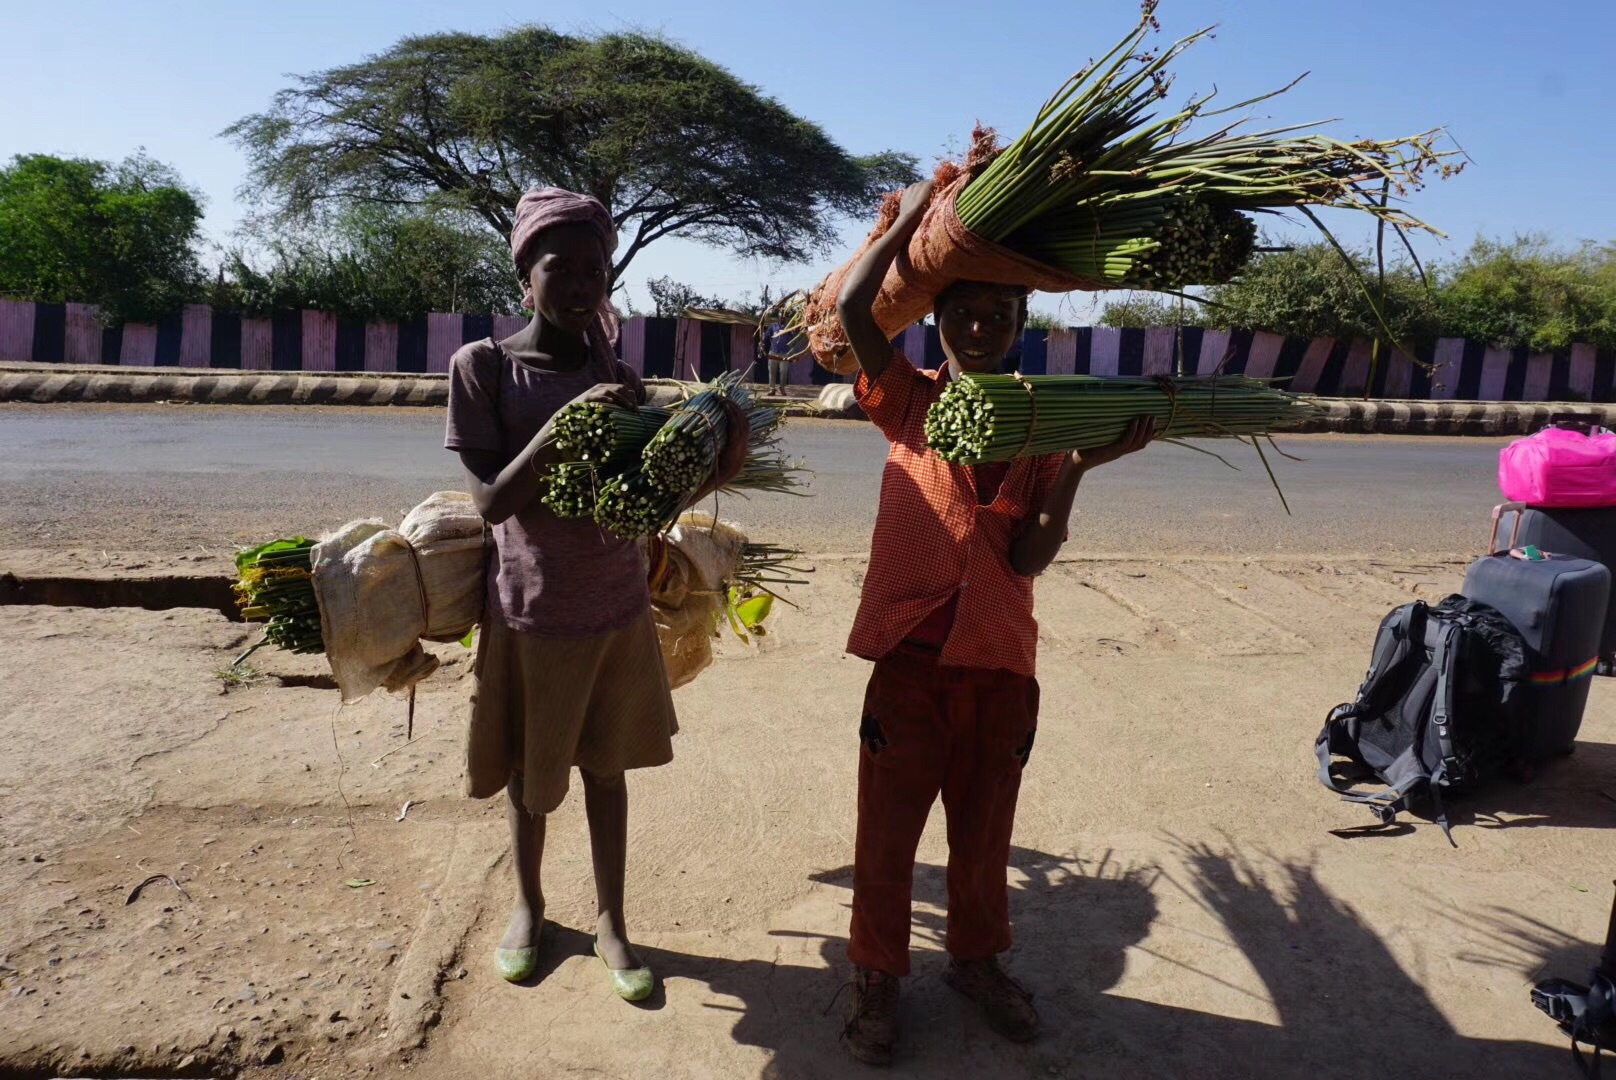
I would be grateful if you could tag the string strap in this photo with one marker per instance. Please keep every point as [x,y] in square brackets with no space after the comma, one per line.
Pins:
[1168,387]
[1032,424]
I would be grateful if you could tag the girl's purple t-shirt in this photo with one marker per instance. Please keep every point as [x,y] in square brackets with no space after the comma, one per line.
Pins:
[550,576]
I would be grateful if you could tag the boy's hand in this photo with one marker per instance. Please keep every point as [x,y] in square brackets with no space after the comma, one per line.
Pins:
[916,197]
[1141,432]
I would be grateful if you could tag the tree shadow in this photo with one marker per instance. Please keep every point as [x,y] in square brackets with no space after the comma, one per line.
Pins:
[1289,948]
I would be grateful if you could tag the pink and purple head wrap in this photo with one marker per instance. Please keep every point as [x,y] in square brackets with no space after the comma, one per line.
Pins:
[545,208]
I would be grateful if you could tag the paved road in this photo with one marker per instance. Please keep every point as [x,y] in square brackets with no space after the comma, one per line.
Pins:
[135,478]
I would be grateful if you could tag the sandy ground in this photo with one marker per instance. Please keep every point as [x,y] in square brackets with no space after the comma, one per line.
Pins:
[1181,904]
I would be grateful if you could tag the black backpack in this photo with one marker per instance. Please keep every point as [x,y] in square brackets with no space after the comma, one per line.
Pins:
[1439,711]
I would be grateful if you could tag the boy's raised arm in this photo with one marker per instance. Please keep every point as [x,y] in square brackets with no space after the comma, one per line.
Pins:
[854,304]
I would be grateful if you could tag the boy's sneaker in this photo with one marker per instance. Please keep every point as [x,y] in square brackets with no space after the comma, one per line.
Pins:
[1007,1007]
[872,1017]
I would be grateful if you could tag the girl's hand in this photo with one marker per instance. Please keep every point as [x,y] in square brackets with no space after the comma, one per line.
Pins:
[1139,435]
[607,394]
[916,197]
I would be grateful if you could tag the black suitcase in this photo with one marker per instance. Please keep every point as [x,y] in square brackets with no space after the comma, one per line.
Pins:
[1585,533]
[1557,603]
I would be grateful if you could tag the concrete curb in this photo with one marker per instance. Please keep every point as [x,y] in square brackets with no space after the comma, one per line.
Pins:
[1494,418]
[44,384]
[52,384]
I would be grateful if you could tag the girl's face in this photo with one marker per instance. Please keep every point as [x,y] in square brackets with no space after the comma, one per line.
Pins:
[978,325]
[569,277]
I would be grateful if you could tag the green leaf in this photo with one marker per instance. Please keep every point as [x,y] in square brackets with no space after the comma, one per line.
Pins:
[359,882]
[466,641]
[752,612]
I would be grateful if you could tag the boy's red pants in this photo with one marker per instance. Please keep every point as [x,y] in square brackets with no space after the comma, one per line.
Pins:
[964,732]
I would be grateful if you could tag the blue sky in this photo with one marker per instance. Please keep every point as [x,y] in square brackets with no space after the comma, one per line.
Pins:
[1528,88]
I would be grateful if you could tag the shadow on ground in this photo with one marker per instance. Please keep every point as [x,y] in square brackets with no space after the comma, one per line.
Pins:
[1345,1007]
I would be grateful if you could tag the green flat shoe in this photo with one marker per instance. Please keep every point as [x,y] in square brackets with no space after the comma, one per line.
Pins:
[631,984]
[516,965]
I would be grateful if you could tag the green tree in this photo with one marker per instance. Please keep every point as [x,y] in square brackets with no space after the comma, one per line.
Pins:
[373,262]
[1145,312]
[670,299]
[1310,291]
[122,237]
[1527,293]
[670,142]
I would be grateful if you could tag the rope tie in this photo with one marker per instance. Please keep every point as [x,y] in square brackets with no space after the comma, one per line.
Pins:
[1032,423]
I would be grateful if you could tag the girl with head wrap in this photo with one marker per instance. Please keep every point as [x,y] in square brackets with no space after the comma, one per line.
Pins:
[568,670]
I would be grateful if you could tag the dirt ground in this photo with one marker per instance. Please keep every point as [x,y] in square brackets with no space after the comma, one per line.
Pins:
[1181,904]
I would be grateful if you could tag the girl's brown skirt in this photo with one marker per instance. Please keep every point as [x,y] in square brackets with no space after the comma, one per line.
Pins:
[539,706]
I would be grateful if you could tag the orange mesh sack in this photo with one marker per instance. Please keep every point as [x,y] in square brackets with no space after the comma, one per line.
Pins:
[941,252]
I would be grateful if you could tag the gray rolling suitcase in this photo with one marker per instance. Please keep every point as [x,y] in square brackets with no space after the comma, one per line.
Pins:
[1582,532]
[1557,603]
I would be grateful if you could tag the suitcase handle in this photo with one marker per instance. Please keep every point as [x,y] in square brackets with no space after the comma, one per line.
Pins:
[1498,517]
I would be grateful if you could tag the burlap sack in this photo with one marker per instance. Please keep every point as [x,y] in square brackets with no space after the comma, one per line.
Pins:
[941,252]
[689,568]
[382,591]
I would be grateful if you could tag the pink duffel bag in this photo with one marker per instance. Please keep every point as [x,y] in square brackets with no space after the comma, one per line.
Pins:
[1560,467]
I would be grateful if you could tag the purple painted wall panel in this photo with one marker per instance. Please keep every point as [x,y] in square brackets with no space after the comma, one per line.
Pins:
[1449,355]
[507,325]
[1494,373]
[633,337]
[381,346]
[16,330]
[1159,345]
[1399,374]
[743,353]
[687,350]
[1355,377]
[257,344]
[1105,350]
[83,336]
[1313,362]
[1060,352]
[139,345]
[443,333]
[319,341]
[196,336]
[912,343]
[1539,375]
[1264,355]
[1582,370]
[1214,347]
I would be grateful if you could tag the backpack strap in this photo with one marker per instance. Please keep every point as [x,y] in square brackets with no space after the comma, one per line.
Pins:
[1388,803]
[1446,661]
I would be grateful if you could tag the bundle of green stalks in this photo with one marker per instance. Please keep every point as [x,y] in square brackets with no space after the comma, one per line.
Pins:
[601,434]
[1106,189]
[985,418]
[638,483]
[275,586]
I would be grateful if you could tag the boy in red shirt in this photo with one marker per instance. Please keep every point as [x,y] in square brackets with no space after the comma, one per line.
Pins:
[946,615]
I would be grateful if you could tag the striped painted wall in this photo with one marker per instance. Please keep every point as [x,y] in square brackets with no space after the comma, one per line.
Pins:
[199,337]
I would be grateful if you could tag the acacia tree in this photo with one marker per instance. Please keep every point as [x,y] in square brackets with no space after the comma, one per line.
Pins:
[670,142]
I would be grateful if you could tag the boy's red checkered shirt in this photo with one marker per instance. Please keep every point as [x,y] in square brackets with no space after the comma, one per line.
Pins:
[933,540]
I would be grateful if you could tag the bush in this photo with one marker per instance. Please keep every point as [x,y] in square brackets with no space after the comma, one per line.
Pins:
[1524,293]
[377,264]
[122,237]
[1311,292]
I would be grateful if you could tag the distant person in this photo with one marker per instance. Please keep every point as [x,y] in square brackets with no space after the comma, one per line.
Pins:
[946,615]
[783,347]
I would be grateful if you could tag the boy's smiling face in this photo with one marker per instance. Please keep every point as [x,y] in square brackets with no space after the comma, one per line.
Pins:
[979,323]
